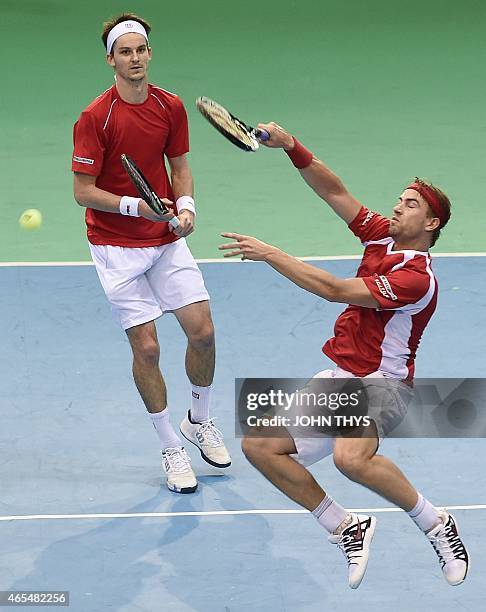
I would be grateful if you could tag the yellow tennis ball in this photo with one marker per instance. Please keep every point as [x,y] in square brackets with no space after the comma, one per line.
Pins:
[30,219]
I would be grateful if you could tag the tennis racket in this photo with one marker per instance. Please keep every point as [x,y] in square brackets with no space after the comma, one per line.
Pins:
[232,128]
[145,191]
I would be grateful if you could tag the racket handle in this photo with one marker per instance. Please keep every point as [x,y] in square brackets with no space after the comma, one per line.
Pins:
[262,135]
[174,222]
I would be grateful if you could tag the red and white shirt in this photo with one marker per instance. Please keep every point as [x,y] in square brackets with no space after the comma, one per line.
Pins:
[146,132]
[385,339]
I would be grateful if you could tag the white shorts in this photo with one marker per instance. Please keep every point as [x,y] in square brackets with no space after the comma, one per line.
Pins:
[143,283]
[389,403]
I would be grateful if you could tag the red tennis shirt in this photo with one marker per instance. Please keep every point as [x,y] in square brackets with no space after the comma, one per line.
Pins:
[387,338]
[146,132]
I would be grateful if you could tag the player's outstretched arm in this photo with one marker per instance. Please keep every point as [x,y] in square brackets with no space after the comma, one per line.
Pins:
[315,173]
[312,279]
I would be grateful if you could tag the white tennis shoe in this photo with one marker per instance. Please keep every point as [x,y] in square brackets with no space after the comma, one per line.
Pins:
[354,542]
[177,466]
[453,556]
[209,441]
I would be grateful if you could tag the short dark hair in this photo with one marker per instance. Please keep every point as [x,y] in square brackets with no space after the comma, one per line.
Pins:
[110,24]
[445,205]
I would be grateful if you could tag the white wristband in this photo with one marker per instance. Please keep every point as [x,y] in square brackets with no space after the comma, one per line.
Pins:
[185,203]
[129,206]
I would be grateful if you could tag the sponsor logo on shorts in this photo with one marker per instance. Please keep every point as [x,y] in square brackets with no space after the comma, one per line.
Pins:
[195,395]
[368,217]
[385,288]
[83,160]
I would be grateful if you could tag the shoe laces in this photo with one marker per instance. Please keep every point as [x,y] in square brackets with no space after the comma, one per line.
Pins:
[177,459]
[211,433]
[448,544]
[348,545]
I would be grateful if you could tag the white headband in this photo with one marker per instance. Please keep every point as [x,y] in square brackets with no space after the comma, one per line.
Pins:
[125,27]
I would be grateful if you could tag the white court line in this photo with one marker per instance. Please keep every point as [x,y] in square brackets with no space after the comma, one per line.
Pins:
[42,264]
[20,264]
[36,517]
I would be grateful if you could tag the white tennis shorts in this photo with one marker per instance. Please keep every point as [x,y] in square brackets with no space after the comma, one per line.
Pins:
[143,283]
[387,408]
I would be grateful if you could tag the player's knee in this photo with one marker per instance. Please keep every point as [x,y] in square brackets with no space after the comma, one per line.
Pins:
[253,448]
[203,337]
[349,463]
[147,352]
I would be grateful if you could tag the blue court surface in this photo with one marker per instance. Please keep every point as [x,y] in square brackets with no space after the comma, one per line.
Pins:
[82,508]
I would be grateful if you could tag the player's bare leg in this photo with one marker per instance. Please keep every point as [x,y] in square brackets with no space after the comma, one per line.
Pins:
[356,459]
[195,320]
[271,457]
[198,427]
[146,371]
[350,532]
[151,386]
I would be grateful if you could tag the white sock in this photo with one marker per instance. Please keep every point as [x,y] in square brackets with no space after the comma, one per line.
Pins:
[162,425]
[329,514]
[424,515]
[200,403]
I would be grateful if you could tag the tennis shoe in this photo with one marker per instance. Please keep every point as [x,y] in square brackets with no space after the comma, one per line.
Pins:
[354,542]
[453,556]
[177,466]
[208,439]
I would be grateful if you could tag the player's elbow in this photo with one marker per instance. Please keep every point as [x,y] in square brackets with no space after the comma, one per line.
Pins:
[331,291]
[80,197]
[83,186]
[353,291]
[334,296]
[337,191]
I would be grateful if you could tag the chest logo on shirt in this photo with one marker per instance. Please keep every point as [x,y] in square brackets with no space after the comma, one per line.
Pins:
[385,287]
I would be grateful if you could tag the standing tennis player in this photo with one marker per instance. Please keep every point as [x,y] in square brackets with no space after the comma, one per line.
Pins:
[144,266]
[390,302]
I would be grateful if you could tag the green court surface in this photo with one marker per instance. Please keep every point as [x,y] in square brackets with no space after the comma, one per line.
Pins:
[381,90]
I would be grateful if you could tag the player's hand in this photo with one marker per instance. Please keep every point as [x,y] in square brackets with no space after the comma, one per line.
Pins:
[145,211]
[246,247]
[279,138]
[186,227]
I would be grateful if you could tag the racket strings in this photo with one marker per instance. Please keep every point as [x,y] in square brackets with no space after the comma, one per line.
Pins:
[230,124]
[221,118]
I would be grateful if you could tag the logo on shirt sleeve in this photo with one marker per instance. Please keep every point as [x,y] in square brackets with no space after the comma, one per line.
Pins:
[385,288]
[368,217]
[83,160]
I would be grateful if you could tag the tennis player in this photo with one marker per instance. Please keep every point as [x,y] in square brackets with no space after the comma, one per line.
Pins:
[391,301]
[145,267]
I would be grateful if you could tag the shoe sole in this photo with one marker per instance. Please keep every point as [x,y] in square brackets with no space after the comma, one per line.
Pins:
[366,548]
[206,459]
[183,491]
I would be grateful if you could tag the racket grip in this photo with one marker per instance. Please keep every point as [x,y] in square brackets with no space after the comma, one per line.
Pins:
[262,135]
[174,222]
